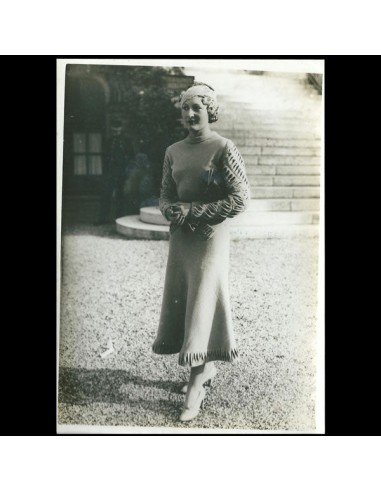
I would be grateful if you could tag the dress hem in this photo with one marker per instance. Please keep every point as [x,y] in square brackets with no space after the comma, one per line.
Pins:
[196,358]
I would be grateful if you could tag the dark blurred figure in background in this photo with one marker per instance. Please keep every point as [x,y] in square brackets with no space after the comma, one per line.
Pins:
[115,161]
[139,186]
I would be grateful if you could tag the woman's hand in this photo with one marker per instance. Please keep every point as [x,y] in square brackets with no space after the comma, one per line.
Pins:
[176,215]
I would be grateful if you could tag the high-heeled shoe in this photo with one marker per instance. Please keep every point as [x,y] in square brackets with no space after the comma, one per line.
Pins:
[192,412]
[207,380]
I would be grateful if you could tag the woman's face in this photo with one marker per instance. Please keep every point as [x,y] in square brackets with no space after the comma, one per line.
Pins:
[195,114]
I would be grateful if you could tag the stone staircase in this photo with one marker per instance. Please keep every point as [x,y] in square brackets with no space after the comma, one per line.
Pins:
[275,120]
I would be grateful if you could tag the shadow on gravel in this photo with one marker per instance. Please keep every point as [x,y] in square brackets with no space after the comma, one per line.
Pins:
[106,230]
[84,386]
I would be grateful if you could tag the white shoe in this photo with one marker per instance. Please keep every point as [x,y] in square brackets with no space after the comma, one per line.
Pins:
[192,412]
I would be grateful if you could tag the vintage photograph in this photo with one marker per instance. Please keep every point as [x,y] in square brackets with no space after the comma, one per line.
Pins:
[190,210]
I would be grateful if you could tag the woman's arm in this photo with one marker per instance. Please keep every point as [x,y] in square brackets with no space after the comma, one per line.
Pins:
[168,193]
[238,192]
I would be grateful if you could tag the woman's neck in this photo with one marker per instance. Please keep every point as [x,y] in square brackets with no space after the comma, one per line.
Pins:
[199,135]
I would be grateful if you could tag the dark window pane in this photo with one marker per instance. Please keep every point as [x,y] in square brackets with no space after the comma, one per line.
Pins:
[79,142]
[95,164]
[95,142]
[80,164]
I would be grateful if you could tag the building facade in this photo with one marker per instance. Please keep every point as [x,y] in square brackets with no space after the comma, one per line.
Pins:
[140,98]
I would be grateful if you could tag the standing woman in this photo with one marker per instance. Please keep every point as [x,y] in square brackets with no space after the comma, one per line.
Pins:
[204,182]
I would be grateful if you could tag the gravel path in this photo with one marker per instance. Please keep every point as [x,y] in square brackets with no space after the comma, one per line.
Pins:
[112,288]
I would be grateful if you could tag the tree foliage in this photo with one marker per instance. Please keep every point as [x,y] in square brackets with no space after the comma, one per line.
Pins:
[152,121]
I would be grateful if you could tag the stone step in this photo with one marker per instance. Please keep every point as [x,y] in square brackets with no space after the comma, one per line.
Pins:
[309,111]
[274,231]
[294,151]
[311,116]
[271,116]
[152,215]
[263,180]
[275,218]
[284,204]
[294,103]
[290,160]
[311,143]
[241,121]
[255,126]
[293,98]
[233,133]
[280,160]
[298,170]
[267,80]
[278,142]
[289,151]
[133,228]
[285,191]
[290,97]
[226,101]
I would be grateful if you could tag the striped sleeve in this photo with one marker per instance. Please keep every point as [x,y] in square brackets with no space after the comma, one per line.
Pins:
[168,190]
[238,191]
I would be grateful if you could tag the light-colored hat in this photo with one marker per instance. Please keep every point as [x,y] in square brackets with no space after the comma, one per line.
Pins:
[199,90]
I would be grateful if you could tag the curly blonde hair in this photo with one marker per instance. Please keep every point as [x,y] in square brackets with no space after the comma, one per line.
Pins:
[208,99]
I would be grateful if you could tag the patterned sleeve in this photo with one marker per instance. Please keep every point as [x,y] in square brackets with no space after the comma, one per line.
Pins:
[168,191]
[238,191]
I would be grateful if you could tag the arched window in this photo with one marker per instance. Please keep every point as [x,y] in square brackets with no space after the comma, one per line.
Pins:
[85,108]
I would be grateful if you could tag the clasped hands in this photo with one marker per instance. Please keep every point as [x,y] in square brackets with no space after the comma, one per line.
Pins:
[176,214]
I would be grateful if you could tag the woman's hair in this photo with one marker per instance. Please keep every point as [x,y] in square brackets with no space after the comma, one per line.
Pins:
[209,100]
[211,107]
